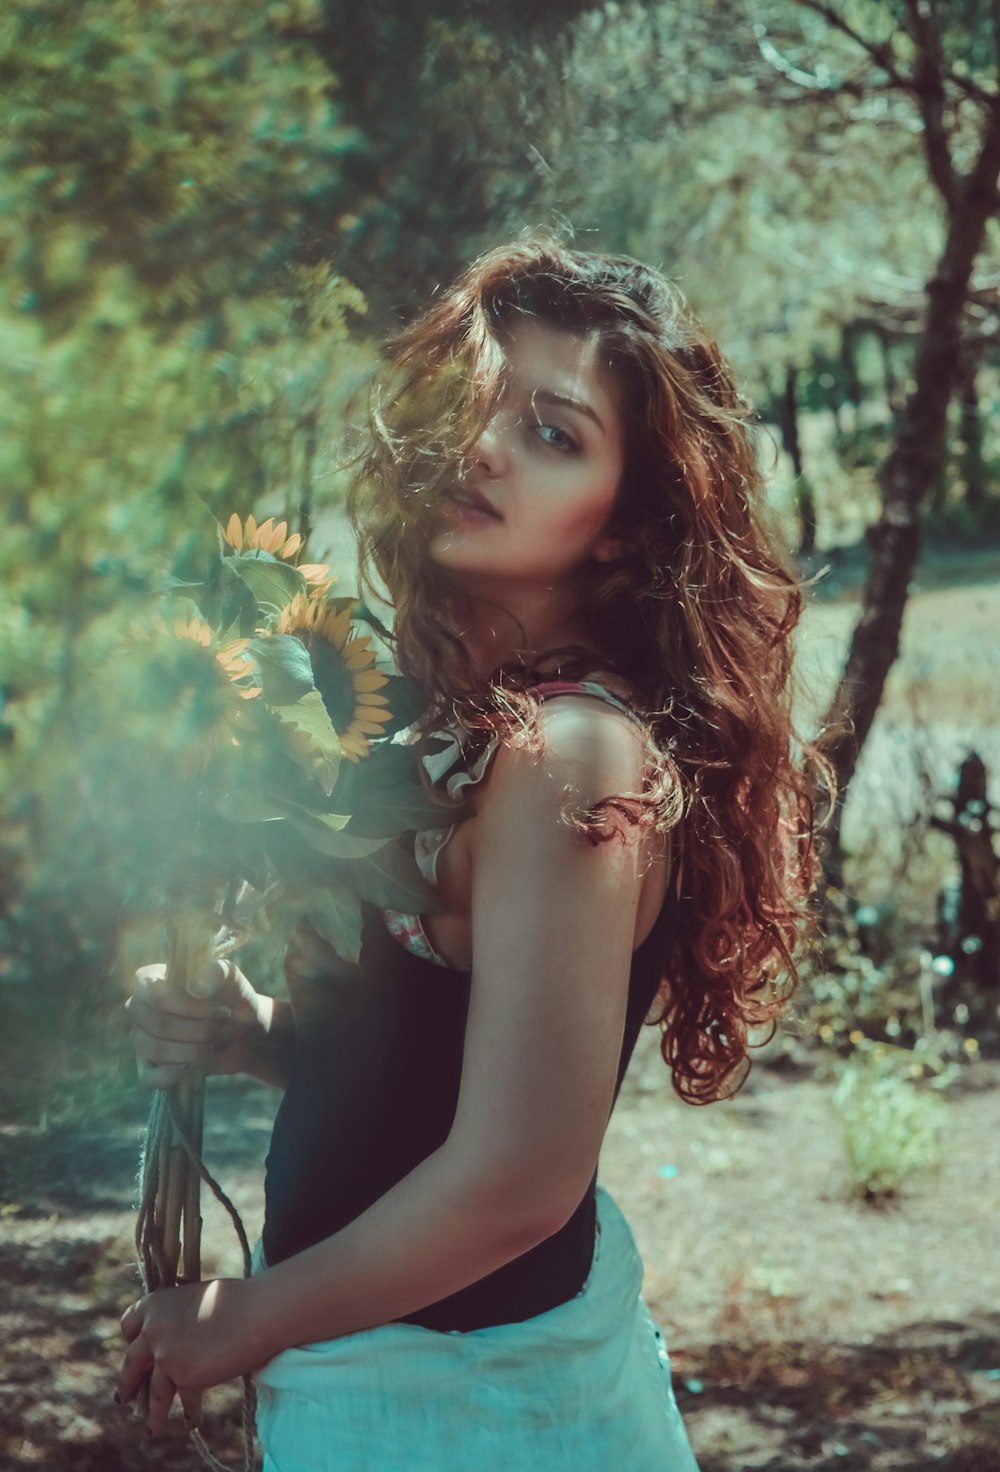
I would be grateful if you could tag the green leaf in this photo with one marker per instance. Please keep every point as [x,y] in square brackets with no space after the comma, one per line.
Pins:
[286,673]
[336,915]
[363,614]
[329,840]
[387,796]
[311,738]
[272,583]
[249,806]
[391,880]
[171,584]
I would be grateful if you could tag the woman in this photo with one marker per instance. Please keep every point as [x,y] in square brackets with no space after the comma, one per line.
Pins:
[559,493]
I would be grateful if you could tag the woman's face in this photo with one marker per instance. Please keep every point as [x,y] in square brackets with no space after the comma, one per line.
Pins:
[544,475]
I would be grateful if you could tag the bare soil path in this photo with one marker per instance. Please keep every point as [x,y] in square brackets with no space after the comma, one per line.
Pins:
[806,1331]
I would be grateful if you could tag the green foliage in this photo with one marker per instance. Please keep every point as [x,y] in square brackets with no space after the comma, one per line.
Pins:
[174,343]
[892,1127]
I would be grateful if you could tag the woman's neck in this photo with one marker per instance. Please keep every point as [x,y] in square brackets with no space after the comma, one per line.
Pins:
[501,627]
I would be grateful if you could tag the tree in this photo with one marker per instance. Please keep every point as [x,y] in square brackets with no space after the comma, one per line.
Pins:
[448,98]
[947,67]
[802,168]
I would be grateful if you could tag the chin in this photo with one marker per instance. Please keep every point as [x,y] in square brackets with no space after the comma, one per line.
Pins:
[450,549]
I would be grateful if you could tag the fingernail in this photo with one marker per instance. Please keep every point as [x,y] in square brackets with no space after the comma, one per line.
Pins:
[222,1012]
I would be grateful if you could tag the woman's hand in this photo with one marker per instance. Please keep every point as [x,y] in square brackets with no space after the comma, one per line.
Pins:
[171,1029]
[187,1339]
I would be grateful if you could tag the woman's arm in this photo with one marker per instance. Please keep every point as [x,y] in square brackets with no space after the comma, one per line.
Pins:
[553,928]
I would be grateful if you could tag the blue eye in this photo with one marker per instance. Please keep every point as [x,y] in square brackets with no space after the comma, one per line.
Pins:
[559,440]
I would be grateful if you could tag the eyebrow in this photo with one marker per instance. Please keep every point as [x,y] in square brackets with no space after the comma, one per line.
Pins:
[548,396]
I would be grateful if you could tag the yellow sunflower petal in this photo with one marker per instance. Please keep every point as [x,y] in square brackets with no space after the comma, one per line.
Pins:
[359,654]
[370,728]
[234,532]
[263,534]
[249,531]
[370,680]
[336,627]
[194,629]
[276,537]
[291,546]
[316,572]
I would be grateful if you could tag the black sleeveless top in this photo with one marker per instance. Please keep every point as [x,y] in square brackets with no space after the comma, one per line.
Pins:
[374,1090]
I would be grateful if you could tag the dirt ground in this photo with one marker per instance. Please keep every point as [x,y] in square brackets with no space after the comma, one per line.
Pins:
[807,1331]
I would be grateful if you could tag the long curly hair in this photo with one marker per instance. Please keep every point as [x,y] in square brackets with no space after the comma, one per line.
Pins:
[695,617]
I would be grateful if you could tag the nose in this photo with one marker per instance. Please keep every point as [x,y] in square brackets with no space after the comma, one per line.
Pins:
[489,453]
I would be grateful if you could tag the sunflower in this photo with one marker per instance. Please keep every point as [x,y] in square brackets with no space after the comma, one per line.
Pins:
[196,691]
[247,536]
[232,658]
[344,670]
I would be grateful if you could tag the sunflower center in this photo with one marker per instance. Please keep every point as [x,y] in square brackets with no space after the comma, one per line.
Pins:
[333,680]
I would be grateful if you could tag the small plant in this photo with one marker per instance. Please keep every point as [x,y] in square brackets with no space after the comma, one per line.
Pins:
[891,1121]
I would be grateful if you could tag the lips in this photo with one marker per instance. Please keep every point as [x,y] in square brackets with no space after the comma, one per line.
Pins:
[466,496]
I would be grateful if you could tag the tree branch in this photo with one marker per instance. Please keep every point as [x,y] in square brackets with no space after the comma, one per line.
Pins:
[925,84]
[929,89]
[811,81]
[881,52]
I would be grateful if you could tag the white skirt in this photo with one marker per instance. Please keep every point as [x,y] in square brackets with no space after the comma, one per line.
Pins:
[584,1387]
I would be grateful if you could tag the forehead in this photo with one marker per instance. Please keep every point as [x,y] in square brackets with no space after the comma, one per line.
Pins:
[540,356]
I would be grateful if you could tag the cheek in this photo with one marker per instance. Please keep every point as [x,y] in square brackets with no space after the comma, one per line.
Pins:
[584,513]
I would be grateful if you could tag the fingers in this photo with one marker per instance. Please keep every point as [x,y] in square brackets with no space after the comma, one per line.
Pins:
[170,1027]
[218,984]
[162,1064]
[136,1365]
[153,1047]
[161,1398]
[130,1322]
[171,1030]
[191,1405]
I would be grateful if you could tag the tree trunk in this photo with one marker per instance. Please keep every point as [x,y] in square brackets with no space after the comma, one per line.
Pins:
[787,414]
[908,476]
[970,429]
[975,931]
[853,387]
[788,419]
[305,508]
[890,381]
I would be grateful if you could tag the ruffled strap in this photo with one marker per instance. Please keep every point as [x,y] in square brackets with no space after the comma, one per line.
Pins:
[438,764]
[445,763]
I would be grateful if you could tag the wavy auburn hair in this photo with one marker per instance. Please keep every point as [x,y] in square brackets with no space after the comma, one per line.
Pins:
[695,617]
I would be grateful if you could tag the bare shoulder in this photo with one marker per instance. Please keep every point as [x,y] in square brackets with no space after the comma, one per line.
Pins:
[584,746]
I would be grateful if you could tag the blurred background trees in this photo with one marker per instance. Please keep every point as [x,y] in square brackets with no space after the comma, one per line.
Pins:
[213,213]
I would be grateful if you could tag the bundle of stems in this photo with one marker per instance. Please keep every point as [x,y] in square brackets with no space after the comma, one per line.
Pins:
[177,1212]
[168,1230]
